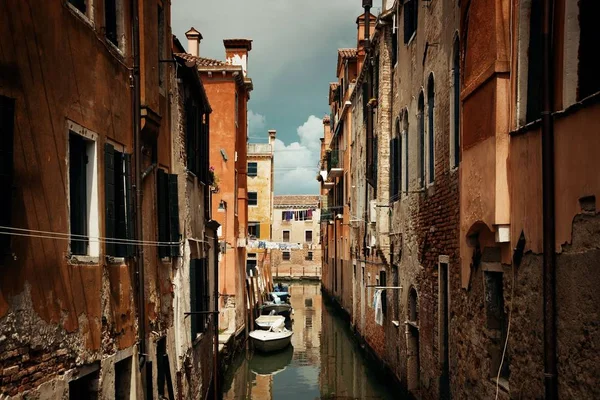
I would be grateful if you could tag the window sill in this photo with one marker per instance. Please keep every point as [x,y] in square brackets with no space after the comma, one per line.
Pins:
[83,17]
[84,260]
[114,48]
[110,260]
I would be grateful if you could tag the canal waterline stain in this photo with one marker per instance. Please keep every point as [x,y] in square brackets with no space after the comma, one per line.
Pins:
[324,361]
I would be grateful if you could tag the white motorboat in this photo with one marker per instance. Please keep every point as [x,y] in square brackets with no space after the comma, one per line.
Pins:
[276,338]
[269,341]
[265,322]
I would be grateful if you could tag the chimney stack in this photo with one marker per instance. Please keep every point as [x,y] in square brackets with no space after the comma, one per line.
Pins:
[194,37]
[272,134]
[236,52]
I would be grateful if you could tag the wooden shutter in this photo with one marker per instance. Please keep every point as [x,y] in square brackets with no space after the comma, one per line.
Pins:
[383,282]
[194,297]
[174,215]
[120,206]
[109,199]
[393,172]
[129,205]
[162,194]
[7,117]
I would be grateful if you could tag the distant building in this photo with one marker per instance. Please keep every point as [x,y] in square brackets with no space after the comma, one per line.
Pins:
[296,221]
[260,198]
[228,87]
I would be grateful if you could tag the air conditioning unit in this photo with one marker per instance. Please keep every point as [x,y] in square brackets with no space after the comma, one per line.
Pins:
[373,211]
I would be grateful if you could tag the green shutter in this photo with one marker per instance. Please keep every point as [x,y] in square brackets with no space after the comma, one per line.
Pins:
[174,215]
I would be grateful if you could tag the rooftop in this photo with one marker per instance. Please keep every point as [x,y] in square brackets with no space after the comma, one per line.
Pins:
[202,61]
[305,200]
[348,53]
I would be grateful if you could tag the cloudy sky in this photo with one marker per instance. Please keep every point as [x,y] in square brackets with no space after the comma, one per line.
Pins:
[293,58]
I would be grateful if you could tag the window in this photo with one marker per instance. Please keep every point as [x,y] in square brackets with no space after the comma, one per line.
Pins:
[252,199]
[7,119]
[395,31]
[589,63]
[168,213]
[199,295]
[113,21]
[534,72]
[162,366]
[123,379]
[309,256]
[431,129]
[81,5]
[286,256]
[286,236]
[118,219]
[405,154]
[396,163]
[383,282]
[455,155]
[87,385]
[254,229]
[421,141]
[251,263]
[252,169]
[411,16]
[308,236]
[83,193]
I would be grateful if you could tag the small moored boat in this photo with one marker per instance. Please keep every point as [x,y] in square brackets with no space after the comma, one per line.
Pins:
[265,322]
[276,338]
[282,309]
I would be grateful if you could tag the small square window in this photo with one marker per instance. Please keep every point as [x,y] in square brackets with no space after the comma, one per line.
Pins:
[254,229]
[286,236]
[308,236]
[309,256]
[252,199]
[286,256]
[252,169]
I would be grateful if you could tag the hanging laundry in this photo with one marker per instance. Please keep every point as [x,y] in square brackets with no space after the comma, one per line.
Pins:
[378,305]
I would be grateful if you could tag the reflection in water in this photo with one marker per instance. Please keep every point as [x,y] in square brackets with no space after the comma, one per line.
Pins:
[322,363]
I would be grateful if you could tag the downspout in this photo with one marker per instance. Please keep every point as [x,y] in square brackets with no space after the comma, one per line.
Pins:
[138,186]
[367,4]
[548,205]
[217,392]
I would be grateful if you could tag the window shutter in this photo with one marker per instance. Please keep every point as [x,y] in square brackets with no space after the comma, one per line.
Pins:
[398,162]
[365,95]
[174,214]
[392,169]
[163,212]
[383,282]
[7,112]
[120,207]
[109,198]
[78,193]
[194,297]
[257,230]
[205,295]
[129,203]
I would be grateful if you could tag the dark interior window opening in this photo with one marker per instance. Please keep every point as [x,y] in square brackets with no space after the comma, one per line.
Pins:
[85,387]
[80,169]
[7,118]
[110,21]
[81,5]
[123,379]
[421,139]
[589,62]
[496,320]
[431,127]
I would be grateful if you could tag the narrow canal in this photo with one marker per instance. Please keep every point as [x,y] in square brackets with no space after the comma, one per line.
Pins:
[323,362]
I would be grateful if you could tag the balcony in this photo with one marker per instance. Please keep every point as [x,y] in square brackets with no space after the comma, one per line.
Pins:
[335,164]
[326,215]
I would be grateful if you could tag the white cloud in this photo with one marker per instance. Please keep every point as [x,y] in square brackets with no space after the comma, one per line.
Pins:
[296,163]
[256,124]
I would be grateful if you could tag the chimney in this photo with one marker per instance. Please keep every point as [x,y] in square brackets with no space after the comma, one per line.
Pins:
[360,47]
[272,134]
[194,37]
[236,52]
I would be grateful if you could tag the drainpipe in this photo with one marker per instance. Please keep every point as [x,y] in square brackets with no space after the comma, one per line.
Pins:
[367,4]
[217,392]
[138,188]
[548,206]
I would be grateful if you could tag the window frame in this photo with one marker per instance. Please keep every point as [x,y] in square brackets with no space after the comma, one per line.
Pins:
[252,172]
[306,232]
[289,233]
[286,255]
[253,202]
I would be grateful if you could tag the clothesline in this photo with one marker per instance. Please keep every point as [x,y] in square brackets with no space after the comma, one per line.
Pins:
[298,215]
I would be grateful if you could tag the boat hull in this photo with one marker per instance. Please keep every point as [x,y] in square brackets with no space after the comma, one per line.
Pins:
[268,342]
[284,310]
[267,321]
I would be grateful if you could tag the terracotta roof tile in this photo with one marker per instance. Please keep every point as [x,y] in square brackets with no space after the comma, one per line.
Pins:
[348,53]
[296,200]
[202,61]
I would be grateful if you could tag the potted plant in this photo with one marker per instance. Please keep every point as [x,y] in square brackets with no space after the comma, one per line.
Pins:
[213,180]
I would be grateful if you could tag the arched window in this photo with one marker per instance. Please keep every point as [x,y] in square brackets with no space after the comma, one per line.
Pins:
[405,154]
[421,140]
[431,130]
[455,144]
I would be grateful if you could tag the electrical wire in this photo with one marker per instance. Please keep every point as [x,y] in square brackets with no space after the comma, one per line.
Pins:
[12,231]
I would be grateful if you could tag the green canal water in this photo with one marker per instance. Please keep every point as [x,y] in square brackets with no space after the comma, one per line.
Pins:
[323,362]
